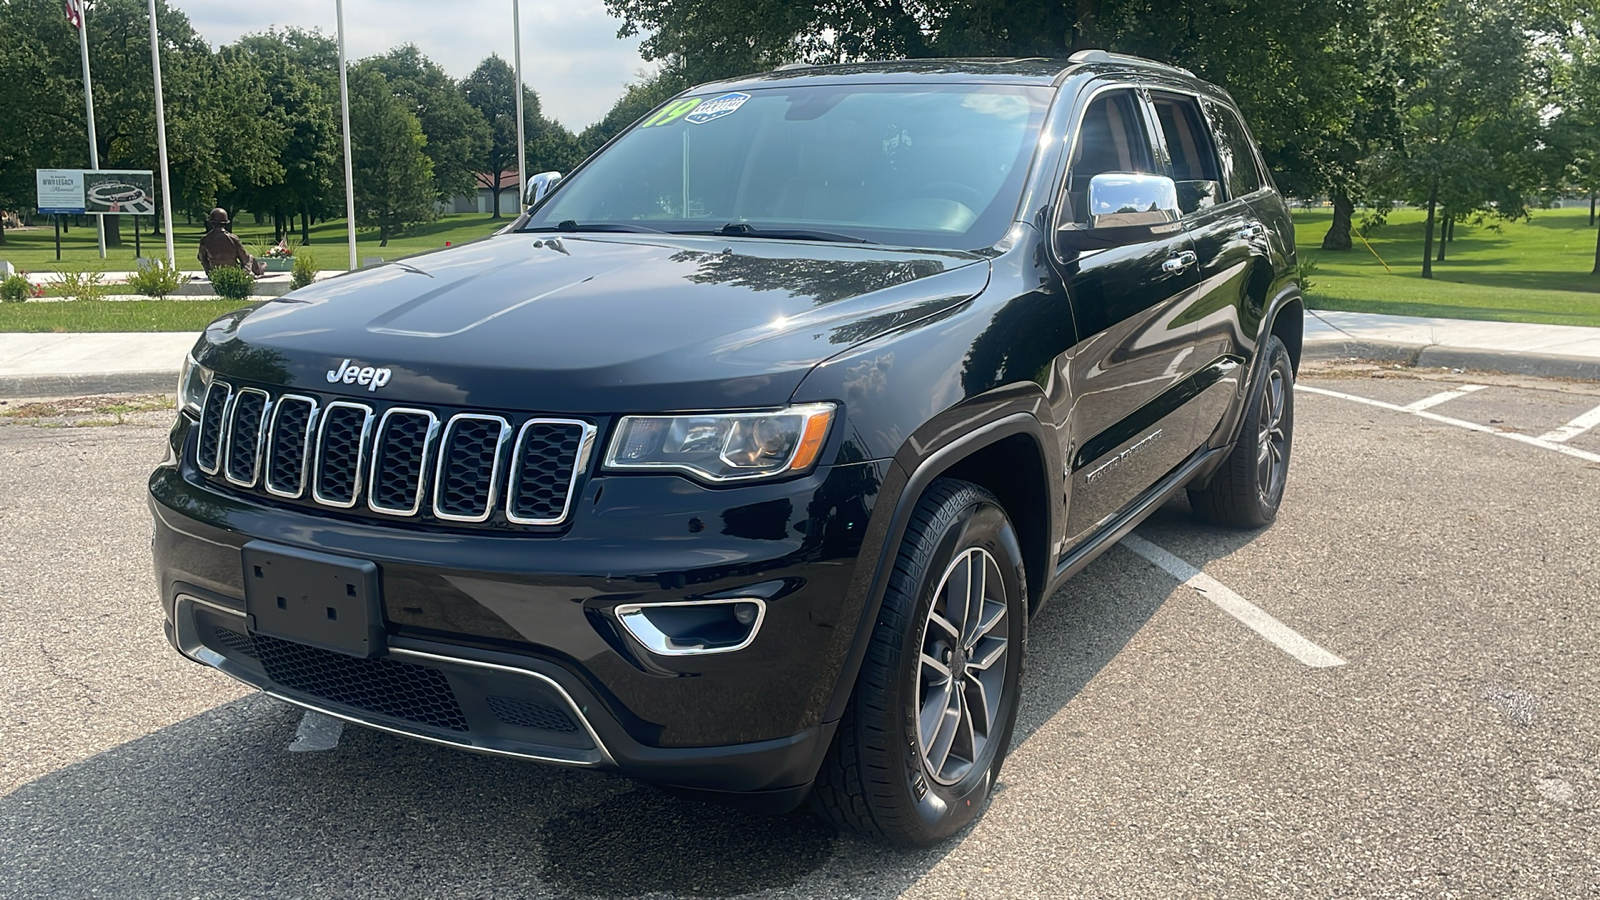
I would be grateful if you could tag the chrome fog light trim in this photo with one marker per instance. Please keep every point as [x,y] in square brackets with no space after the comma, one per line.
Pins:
[635,619]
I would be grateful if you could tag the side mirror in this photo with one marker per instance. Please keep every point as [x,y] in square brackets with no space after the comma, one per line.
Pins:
[538,186]
[1124,208]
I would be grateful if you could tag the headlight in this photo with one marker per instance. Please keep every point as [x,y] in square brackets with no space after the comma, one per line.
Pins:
[192,382]
[724,446]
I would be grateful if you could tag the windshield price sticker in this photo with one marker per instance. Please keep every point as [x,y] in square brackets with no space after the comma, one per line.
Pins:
[696,110]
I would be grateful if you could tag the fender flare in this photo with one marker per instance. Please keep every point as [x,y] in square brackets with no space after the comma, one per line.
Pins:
[911,487]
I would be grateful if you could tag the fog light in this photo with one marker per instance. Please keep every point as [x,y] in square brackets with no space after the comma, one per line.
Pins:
[693,627]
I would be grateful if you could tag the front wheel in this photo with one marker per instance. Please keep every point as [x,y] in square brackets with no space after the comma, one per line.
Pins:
[931,717]
[1247,491]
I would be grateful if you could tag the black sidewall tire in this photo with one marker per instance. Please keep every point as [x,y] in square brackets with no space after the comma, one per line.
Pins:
[940,810]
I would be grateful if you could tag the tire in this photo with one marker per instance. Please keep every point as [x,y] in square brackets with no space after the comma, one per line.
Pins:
[908,765]
[1248,489]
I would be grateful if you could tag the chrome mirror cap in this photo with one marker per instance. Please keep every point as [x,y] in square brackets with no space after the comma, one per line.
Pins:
[1129,199]
[538,186]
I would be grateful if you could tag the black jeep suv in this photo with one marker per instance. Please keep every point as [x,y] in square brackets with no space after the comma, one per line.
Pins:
[741,460]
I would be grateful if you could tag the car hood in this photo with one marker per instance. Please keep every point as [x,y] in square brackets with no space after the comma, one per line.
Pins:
[592,324]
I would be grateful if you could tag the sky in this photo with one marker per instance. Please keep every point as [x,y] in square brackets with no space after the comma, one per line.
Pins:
[570,51]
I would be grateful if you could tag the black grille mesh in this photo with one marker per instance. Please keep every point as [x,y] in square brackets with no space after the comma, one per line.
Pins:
[470,448]
[386,687]
[329,467]
[531,714]
[286,457]
[247,412]
[233,640]
[400,445]
[340,463]
[548,454]
[208,454]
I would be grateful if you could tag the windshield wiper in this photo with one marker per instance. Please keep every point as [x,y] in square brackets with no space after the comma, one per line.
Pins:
[745,229]
[568,226]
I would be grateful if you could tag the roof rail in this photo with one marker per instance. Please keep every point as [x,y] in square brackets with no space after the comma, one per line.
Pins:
[1105,56]
[794,65]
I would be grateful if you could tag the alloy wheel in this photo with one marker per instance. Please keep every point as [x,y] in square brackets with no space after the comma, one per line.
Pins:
[1272,456]
[961,676]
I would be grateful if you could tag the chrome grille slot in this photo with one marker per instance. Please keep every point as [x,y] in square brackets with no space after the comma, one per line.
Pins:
[399,449]
[550,455]
[341,443]
[243,445]
[289,445]
[208,456]
[468,470]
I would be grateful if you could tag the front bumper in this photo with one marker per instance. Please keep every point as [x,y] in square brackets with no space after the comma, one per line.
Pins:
[520,631]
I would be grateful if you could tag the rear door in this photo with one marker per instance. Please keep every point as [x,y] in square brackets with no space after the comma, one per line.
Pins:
[1228,239]
[1127,425]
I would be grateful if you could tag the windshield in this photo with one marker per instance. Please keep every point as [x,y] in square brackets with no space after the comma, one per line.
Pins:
[918,165]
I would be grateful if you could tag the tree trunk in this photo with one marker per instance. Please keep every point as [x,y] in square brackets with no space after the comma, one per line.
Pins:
[305,226]
[1591,207]
[496,197]
[1338,236]
[1452,229]
[383,232]
[1596,253]
[2,229]
[1444,234]
[1427,233]
[113,231]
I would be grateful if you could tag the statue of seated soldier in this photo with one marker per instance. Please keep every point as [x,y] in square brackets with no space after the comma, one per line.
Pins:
[220,247]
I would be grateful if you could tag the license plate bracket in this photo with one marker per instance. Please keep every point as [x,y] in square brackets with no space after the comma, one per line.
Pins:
[326,601]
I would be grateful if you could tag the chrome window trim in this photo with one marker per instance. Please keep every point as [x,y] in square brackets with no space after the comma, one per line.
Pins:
[422,471]
[361,449]
[579,465]
[494,472]
[305,446]
[633,621]
[231,419]
[222,425]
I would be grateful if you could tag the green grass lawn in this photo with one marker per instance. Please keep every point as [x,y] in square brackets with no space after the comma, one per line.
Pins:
[113,315]
[1531,271]
[33,249]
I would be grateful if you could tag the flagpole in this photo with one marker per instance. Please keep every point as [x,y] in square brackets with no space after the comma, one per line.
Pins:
[161,138]
[349,168]
[522,139]
[88,102]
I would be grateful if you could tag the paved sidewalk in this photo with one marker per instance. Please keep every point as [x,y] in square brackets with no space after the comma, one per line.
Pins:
[1562,351]
[53,365]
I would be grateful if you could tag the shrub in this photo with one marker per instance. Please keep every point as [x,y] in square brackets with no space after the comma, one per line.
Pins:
[160,279]
[305,269]
[1308,271]
[16,288]
[86,285]
[232,282]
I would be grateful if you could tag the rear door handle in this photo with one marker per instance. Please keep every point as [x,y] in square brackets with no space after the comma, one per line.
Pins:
[1179,261]
[1252,232]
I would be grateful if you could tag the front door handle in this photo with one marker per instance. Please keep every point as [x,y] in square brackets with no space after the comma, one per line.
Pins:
[1177,262]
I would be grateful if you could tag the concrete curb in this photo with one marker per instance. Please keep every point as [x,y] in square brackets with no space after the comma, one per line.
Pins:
[25,387]
[1546,365]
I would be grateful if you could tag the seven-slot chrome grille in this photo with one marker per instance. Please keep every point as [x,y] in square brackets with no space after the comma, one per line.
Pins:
[466,467]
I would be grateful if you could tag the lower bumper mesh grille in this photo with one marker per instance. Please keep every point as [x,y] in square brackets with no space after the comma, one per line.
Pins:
[387,687]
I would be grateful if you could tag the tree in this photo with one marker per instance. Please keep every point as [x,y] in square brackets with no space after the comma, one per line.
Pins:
[1469,123]
[1574,135]
[393,175]
[302,76]
[490,89]
[457,132]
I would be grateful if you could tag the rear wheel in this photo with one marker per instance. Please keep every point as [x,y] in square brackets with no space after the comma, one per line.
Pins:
[931,717]
[1247,491]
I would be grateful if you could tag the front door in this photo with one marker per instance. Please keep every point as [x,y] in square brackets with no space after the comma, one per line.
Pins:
[1128,424]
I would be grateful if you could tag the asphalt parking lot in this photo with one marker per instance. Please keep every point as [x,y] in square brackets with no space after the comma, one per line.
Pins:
[1446,557]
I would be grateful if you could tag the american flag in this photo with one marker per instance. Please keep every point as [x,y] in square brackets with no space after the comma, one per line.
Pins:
[75,13]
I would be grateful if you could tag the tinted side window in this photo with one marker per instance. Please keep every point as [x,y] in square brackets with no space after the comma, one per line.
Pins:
[1194,162]
[1111,138]
[1238,156]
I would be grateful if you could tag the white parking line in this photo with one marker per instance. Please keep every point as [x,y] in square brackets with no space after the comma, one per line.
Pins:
[1459,423]
[1254,617]
[1446,397]
[1574,428]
